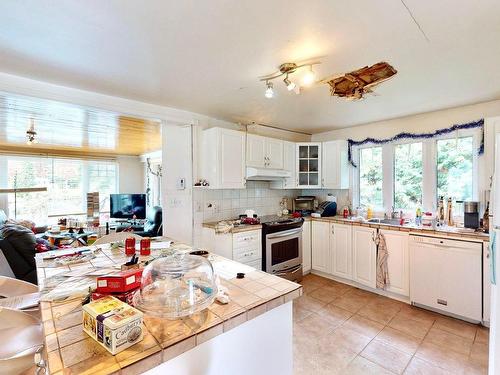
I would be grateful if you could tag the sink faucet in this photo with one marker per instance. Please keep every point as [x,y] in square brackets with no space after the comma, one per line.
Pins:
[393,213]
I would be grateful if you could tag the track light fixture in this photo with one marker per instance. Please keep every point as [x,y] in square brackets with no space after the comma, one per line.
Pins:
[286,70]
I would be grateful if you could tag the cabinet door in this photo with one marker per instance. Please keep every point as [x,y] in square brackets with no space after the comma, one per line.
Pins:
[308,165]
[341,250]
[232,159]
[335,171]
[306,246]
[364,254]
[274,153]
[289,165]
[320,240]
[398,262]
[256,151]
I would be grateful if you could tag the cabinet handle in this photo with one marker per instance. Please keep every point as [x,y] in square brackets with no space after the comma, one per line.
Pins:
[333,229]
[373,236]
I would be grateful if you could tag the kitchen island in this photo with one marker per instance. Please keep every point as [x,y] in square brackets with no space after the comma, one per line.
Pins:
[251,334]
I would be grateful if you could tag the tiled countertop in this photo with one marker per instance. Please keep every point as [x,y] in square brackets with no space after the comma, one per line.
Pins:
[445,231]
[71,351]
[236,229]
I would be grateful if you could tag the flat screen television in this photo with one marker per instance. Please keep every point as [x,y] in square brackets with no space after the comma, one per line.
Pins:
[128,206]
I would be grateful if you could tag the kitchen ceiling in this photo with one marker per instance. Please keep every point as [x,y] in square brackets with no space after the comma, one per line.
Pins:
[206,56]
[70,130]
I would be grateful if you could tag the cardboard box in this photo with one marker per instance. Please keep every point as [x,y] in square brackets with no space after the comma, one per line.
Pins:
[126,297]
[112,323]
[119,282]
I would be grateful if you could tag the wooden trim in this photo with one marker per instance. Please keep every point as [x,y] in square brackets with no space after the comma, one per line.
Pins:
[47,152]
[23,190]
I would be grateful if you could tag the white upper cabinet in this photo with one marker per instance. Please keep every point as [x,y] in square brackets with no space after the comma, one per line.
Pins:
[223,158]
[364,253]
[274,153]
[289,164]
[308,169]
[398,262]
[264,152]
[335,168]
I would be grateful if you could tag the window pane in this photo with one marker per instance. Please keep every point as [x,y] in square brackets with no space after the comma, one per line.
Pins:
[370,177]
[24,173]
[66,190]
[102,178]
[408,175]
[454,168]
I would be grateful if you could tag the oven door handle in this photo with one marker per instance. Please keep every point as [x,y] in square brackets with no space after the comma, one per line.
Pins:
[285,233]
[287,271]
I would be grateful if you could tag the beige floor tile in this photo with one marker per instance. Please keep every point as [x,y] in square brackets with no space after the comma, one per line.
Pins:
[399,340]
[351,302]
[458,327]
[299,313]
[482,335]
[326,293]
[386,356]
[416,313]
[316,325]
[310,287]
[364,326]
[377,313]
[479,354]
[334,314]
[349,339]
[308,303]
[418,366]
[442,357]
[363,366]
[449,340]
[332,355]
[411,327]
[314,278]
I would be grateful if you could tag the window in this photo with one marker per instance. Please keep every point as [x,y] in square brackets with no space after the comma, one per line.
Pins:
[408,175]
[370,177]
[67,181]
[416,173]
[454,168]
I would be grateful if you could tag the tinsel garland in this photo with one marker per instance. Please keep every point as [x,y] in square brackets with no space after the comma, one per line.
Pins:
[404,135]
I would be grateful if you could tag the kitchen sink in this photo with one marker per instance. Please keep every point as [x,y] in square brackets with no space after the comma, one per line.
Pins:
[384,221]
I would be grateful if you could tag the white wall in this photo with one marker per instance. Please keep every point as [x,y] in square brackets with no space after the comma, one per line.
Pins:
[425,122]
[130,174]
[428,122]
[177,164]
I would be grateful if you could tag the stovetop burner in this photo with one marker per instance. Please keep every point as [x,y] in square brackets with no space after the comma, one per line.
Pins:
[271,220]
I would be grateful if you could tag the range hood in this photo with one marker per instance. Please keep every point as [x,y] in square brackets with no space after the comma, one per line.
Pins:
[266,174]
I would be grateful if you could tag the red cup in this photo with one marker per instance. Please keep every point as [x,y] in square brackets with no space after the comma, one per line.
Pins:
[130,246]
[146,246]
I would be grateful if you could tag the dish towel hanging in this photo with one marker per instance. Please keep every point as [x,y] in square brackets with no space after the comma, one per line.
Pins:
[382,256]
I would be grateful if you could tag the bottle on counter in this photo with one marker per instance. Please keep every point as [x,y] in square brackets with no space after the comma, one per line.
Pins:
[440,211]
[449,212]
[418,217]
[486,218]
[369,213]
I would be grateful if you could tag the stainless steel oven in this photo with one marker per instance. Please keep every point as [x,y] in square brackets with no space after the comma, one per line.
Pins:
[282,247]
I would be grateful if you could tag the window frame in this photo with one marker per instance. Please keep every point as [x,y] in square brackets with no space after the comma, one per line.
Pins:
[85,170]
[429,170]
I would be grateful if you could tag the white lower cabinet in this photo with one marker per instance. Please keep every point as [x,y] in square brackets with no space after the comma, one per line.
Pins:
[341,250]
[486,282]
[364,253]
[398,262]
[306,246]
[320,241]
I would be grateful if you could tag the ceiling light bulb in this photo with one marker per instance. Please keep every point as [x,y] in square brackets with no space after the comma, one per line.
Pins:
[309,76]
[269,90]
[289,84]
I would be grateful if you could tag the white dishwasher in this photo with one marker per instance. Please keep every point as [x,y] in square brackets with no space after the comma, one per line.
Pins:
[446,275]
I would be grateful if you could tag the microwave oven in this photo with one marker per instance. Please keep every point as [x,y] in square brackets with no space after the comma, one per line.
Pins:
[305,203]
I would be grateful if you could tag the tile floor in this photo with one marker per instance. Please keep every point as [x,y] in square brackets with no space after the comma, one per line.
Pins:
[339,329]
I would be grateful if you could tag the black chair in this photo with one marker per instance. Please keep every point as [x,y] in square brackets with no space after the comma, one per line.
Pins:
[153,226]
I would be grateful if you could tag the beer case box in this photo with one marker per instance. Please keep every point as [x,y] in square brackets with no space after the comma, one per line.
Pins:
[119,282]
[112,323]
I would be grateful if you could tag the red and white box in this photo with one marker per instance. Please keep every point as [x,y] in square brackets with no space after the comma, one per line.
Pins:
[119,282]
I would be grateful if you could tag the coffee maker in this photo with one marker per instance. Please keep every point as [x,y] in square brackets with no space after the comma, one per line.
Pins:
[471,215]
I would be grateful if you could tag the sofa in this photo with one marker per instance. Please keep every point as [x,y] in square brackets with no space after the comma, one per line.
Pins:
[17,244]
